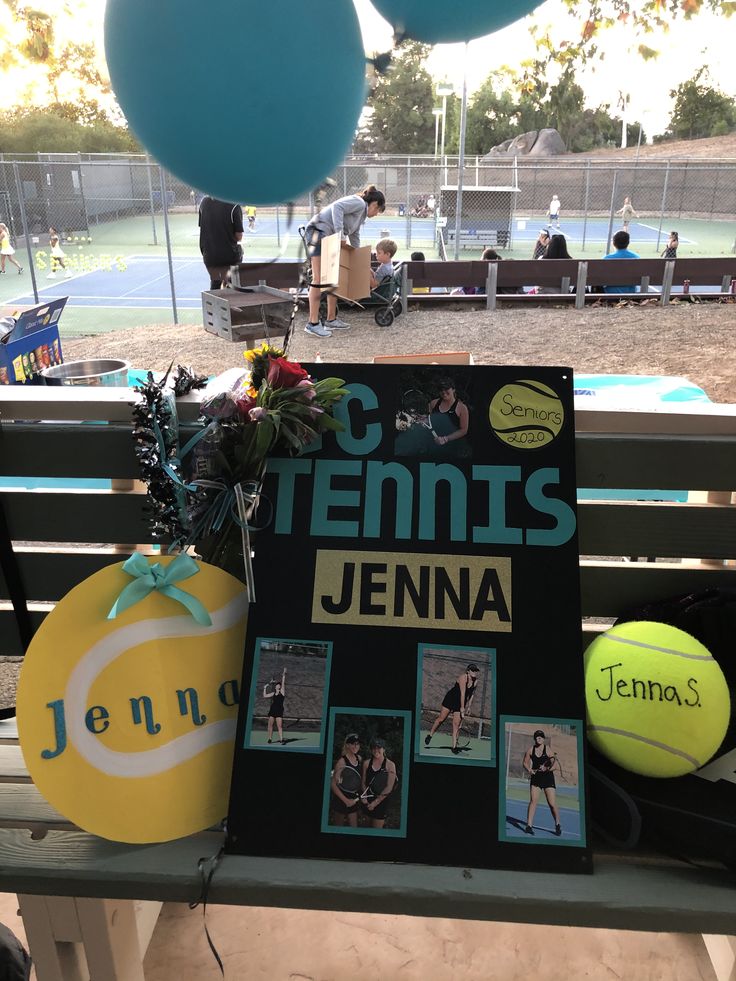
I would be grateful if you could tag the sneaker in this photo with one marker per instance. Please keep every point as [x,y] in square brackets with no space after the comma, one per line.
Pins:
[427,740]
[20,271]
[558,830]
[319,329]
[51,276]
[528,830]
[337,324]
[67,275]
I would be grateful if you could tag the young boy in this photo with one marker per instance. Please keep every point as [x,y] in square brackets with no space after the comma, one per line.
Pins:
[386,249]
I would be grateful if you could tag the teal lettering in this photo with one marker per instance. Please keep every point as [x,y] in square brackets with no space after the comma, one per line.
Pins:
[496,532]
[229,693]
[431,474]
[98,713]
[152,728]
[376,475]
[184,709]
[287,472]
[57,708]
[325,497]
[354,421]
[563,514]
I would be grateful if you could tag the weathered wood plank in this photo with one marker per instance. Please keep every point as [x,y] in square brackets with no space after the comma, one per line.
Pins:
[608,589]
[22,806]
[665,530]
[628,894]
[76,451]
[107,517]
[659,462]
[8,731]
[12,767]
[49,575]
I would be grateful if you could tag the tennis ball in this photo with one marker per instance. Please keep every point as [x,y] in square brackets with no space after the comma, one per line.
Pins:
[526,414]
[658,704]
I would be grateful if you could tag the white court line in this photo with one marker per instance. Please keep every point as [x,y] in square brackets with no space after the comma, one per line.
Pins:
[156,279]
[687,241]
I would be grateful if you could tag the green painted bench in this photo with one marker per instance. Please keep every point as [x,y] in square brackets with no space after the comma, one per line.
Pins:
[82,897]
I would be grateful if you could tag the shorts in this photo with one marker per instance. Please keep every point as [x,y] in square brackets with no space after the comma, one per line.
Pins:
[379,812]
[275,715]
[339,808]
[544,780]
[313,238]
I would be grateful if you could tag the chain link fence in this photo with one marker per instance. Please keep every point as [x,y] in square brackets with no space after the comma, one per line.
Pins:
[114,212]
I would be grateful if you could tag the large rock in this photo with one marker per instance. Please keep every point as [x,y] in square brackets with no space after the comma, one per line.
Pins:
[535,143]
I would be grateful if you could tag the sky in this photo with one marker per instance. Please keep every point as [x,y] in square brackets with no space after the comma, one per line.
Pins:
[705,39]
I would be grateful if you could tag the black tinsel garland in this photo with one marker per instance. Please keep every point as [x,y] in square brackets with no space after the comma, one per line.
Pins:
[156,446]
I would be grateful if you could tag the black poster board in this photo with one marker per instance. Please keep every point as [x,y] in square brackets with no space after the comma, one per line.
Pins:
[418,589]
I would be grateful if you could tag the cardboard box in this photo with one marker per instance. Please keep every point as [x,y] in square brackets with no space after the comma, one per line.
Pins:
[348,267]
[32,345]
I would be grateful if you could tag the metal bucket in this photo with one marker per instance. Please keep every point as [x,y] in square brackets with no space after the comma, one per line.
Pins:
[102,371]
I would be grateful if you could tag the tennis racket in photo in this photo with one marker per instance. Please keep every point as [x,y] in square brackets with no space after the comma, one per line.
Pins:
[350,782]
[376,786]
[463,736]
[414,404]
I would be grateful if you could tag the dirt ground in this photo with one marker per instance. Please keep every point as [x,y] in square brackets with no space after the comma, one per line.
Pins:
[689,339]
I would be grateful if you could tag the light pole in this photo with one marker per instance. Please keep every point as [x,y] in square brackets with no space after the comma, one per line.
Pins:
[436,113]
[444,89]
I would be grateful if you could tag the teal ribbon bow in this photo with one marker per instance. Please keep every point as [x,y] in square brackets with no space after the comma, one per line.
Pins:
[161,578]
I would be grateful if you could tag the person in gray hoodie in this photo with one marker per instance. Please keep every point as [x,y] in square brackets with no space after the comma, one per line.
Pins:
[346,215]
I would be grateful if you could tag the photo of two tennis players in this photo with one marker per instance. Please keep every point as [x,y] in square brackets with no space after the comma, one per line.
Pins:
[363,783]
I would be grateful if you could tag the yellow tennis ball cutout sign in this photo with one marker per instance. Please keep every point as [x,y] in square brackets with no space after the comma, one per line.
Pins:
[526,414]
[657,702]
[127,725]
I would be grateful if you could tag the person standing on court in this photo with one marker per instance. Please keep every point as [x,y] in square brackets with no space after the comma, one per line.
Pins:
[220,234]
[627,213]
[347,216]
[554,210]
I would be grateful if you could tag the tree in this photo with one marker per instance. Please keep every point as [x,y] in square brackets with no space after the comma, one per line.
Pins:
[493,116]
[400,106]
[55,130]
[700,109]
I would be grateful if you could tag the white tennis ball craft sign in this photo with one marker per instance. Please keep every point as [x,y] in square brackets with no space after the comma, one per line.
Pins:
[657,702]
[128,699]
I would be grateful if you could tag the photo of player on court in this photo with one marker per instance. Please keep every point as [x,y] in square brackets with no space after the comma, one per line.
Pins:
[432,417]
[287,706]
[542,795]
[455,705]
[367,776]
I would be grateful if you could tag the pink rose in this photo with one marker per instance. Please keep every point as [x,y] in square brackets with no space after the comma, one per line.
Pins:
[258,413]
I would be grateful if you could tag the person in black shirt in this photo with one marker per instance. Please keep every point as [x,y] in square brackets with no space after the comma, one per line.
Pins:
[345,803]
[220,234]
[539,764]
[276,708]
[457,702]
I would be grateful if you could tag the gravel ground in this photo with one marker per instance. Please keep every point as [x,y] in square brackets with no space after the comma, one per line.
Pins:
[690,339]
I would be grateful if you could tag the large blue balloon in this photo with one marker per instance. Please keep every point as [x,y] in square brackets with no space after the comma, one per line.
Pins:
[248,100]
[443,22]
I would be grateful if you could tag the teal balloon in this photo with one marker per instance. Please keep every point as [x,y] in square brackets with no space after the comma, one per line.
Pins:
[444,22]
[251,101]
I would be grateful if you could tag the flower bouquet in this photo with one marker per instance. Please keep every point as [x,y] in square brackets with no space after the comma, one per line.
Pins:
[205,494]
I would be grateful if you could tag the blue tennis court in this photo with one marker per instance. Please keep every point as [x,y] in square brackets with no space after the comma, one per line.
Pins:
[544,825]
[595,231]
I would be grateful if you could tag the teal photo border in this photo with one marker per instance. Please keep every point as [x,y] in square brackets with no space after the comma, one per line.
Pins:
[451,760]
[252,697]
[541,720]
[399,832]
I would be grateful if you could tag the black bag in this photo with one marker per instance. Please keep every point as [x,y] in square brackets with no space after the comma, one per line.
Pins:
[15,962]
[692,816]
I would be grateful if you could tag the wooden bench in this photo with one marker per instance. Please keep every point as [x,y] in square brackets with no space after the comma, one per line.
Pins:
[78,893]
[498,280]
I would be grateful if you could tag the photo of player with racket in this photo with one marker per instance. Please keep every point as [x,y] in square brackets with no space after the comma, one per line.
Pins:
[276,708]
[379,780]
[347,782]
[543,761]
[432,419]
[456,703]
[539,763]
[288,718]
[364,791]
